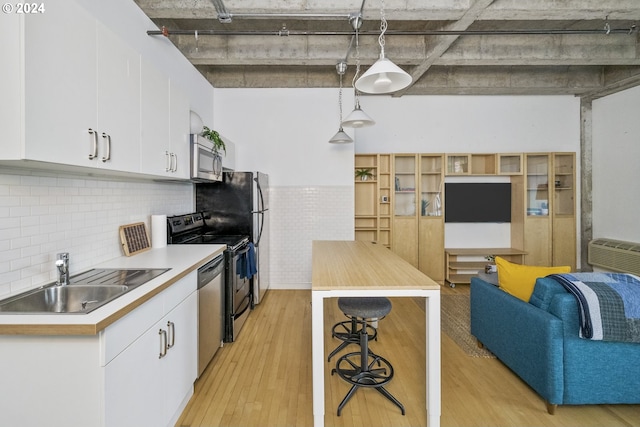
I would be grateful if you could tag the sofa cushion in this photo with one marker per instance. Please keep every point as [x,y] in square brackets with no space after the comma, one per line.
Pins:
[543,292]
[519,280]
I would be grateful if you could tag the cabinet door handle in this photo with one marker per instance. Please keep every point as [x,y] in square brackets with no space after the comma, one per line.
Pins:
[94,151]
[174,163]
[217,165]
[163,343]
[167,158]
[172,334]
[108,145]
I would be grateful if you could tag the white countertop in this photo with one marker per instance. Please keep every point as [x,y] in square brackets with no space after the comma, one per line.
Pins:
[182,259]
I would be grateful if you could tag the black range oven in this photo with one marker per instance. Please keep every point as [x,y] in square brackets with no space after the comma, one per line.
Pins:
[237,294]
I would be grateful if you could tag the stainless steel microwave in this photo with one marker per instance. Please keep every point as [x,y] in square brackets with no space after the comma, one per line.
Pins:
[206,165]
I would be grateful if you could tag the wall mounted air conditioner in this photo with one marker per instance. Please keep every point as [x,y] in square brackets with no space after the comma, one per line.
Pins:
[615,255]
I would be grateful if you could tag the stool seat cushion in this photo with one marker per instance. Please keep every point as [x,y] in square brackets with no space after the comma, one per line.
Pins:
[365,307]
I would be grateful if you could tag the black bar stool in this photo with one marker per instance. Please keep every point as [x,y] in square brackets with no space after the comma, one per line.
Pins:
[349,333]
[357,368]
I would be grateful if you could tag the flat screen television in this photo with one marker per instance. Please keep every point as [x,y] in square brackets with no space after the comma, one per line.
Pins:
[477,202]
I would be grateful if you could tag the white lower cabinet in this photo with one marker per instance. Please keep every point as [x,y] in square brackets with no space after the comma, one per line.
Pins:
[116,378]
[147,383]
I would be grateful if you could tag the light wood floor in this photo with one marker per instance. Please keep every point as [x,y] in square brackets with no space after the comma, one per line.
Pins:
[264,379]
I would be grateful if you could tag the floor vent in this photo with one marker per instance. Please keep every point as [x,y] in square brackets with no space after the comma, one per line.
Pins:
[615,255]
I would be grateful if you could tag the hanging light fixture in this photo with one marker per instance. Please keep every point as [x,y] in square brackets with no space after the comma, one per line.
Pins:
[357,118]
[340,137]
[383,76]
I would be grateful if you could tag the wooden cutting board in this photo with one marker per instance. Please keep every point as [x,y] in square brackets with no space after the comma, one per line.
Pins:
[134,238]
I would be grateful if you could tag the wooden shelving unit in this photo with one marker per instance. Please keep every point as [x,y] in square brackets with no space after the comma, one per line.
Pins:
[563,213]
[510,164]
[402,207]
[484,164]
[373,199]
[461,264]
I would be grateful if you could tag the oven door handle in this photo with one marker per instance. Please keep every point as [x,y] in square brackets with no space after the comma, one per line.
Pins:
[242,251]
[247,307]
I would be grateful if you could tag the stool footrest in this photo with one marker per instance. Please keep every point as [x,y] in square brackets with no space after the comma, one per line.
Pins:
[348,332]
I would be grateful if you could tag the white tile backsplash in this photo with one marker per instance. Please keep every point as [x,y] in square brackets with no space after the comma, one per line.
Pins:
[43,213]
[298,216]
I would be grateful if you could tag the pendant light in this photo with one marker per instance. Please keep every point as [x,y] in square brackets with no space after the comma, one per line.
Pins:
[383,76]
[357,118]
[340,137]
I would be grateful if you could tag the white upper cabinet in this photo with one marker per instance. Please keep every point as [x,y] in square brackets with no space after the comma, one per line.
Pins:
[155,145]
[79,95]
[164,110]
[118,87]
[82,92]
[60,97]
[180,128]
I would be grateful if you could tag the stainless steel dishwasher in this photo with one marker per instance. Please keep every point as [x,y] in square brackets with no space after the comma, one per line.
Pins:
[210,310]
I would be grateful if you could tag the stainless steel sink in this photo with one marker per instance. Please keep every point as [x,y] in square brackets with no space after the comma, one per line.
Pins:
[85,292]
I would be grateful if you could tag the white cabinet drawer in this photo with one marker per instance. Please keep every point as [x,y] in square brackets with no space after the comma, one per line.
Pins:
[180,290]
[118,336]
[122,333]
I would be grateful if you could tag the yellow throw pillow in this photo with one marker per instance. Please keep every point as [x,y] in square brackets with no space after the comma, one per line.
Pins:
[519,280]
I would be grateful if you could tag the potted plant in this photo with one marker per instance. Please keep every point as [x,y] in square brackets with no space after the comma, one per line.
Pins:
[364,174]
[214,136]
[491,267]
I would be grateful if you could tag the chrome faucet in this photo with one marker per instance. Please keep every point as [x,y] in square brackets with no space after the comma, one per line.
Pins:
[63,268]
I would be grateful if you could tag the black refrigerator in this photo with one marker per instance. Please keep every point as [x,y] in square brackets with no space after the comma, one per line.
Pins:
[239,205]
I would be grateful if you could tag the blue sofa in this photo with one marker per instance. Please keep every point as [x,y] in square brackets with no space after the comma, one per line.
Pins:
[539,341]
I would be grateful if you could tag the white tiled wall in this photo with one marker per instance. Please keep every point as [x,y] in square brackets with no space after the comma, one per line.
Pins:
[42,214]
[298,216]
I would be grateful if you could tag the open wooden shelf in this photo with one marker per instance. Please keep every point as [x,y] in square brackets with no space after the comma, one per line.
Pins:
[459,269]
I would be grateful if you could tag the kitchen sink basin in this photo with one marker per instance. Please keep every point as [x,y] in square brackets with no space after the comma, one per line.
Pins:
[85,292]
[65,299]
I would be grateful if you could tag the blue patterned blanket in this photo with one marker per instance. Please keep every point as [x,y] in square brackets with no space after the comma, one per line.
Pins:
[608,304]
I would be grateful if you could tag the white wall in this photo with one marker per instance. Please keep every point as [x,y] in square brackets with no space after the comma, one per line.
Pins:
[616,169]
[470,124]
[284,132]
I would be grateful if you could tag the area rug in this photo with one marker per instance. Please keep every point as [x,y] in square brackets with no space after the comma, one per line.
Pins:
[455,321]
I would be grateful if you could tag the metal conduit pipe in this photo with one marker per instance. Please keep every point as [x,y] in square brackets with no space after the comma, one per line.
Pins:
[290,15]
[167,32]
[226,17]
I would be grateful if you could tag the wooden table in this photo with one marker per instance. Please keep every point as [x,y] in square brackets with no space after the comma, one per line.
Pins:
[363,269]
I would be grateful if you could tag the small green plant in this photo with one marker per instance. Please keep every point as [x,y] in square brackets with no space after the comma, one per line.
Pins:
[214,136]
[364,173]
[424,205]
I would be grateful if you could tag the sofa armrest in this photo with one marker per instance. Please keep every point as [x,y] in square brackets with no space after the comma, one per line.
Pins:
[595,372]
[525,338]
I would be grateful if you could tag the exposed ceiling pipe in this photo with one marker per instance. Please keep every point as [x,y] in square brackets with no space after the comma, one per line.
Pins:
[223,14]
[225,17]
[289,15]
[376,33]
